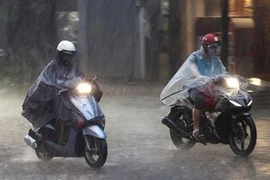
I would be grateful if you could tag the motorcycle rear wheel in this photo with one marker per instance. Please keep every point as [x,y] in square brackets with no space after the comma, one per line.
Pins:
[239,136]
[96,156]
[181,142]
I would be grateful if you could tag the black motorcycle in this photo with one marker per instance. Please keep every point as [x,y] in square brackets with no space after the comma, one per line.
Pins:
[227,121]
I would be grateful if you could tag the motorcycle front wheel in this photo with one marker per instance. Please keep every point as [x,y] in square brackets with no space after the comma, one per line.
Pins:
[96,151]
[243,137]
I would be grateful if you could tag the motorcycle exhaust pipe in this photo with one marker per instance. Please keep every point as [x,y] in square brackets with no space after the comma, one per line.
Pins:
[171,125]
[30,141]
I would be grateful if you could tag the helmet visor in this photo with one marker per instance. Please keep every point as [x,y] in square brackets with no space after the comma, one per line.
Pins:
[66,57]
[212,46]
[68,52]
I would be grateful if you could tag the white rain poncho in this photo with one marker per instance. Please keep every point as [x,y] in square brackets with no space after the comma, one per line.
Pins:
[197,72]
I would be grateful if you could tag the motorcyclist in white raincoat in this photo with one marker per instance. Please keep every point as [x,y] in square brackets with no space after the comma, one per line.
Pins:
[194,79]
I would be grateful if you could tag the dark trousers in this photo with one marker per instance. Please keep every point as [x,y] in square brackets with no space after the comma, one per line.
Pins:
[197,99]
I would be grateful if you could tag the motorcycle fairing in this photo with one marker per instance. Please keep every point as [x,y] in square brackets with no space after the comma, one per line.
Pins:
[87,105]
[95,131]
[92,112]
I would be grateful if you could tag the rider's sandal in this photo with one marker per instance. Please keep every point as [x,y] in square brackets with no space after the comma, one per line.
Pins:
[197,135]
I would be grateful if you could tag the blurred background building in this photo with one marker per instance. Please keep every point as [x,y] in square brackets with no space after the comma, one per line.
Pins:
[249,42]
[132,39]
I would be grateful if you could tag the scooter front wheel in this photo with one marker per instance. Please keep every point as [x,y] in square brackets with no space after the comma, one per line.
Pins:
[96,151]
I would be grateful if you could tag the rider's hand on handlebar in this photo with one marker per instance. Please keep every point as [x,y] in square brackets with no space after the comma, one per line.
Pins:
[219,81]
[80,123]
[62,90]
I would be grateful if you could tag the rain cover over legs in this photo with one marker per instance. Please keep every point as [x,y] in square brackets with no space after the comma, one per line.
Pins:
[42,103]
[197,72]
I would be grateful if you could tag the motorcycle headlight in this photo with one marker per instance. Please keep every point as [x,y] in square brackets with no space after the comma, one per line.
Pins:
[235,103]
[250,102]
[84,88]
[232,83]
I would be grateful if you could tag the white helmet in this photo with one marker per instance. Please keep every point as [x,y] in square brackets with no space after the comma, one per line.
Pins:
[65,52]
[66,46]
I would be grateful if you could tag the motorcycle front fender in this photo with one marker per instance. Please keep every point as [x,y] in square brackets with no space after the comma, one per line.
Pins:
[94,131]
[239,117]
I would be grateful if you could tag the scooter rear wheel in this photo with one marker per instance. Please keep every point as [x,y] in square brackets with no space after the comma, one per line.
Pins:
[43,155]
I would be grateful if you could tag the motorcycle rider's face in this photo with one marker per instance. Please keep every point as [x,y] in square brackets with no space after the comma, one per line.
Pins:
[66,58]
[211,51]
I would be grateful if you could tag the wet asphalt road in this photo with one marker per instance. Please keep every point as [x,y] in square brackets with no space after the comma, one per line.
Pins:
[139,148]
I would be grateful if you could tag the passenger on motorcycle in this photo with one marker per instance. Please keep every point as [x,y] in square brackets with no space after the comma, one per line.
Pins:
[195,72]
[42,103]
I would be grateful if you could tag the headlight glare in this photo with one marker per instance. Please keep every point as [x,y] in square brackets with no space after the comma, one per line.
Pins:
[84,88]
[232,83]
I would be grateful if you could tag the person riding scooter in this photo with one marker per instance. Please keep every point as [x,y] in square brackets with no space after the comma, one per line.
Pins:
[42,103]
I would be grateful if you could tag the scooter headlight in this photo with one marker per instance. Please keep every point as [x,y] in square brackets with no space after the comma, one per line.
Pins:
[84,88]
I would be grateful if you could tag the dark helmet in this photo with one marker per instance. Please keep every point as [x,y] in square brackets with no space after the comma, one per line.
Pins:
[65,52]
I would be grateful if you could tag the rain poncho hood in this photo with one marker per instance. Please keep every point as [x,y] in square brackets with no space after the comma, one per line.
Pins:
[196,72]
[43,103]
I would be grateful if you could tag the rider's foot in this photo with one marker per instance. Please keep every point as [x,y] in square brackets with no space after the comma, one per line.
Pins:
[62,142]
[197,134]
